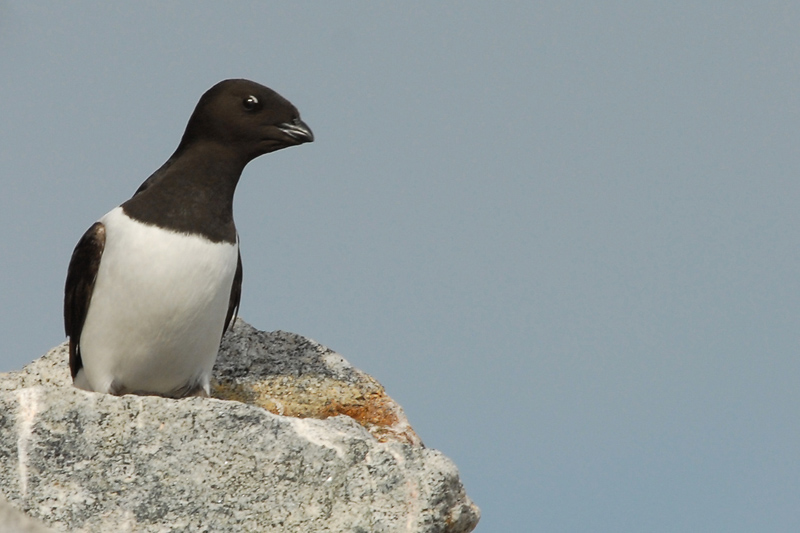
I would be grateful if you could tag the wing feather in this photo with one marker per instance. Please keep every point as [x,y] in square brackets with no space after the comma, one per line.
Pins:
[81,275]
[236,294]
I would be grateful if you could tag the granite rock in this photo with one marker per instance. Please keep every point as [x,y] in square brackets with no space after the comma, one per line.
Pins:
[12,520]
[294,439]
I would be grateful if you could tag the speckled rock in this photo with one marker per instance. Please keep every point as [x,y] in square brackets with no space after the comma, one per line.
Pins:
[294,376]
[339,454]
[12,520]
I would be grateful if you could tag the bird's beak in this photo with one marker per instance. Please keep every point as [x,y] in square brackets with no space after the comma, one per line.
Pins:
[297,130]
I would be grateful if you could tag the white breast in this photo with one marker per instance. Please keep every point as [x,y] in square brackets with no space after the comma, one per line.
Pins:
[158,309]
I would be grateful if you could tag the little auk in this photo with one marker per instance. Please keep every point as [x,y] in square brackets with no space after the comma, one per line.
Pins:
[153,284]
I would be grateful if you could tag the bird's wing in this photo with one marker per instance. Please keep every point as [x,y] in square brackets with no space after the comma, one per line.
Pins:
[236,294]
[81,276]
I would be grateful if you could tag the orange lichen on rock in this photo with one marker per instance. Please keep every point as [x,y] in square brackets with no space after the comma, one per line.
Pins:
[323,397]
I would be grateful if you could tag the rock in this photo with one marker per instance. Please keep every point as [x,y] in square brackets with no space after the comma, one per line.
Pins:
[309,444]
[15,521]
[291,375]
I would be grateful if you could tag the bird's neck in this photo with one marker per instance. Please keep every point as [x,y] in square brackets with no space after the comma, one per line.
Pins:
[204,167]
[192,192]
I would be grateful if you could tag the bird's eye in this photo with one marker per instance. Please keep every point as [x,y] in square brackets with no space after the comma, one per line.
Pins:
[250,103]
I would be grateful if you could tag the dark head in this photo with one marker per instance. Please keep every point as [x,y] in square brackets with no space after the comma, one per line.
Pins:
[247,117]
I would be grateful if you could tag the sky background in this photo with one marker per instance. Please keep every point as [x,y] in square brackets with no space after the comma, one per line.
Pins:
[564,236]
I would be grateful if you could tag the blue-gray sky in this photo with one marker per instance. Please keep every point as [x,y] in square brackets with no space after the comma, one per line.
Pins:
[564,236]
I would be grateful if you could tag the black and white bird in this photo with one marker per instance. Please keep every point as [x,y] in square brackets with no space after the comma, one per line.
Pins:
[153,285]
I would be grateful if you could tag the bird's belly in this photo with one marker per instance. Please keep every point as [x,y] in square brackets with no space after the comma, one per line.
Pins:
[158,308]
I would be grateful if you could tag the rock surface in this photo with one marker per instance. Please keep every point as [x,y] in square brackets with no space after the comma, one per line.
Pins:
[310,444]
[12,520]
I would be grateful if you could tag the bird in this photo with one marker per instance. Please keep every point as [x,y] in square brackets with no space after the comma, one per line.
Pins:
[153,285]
